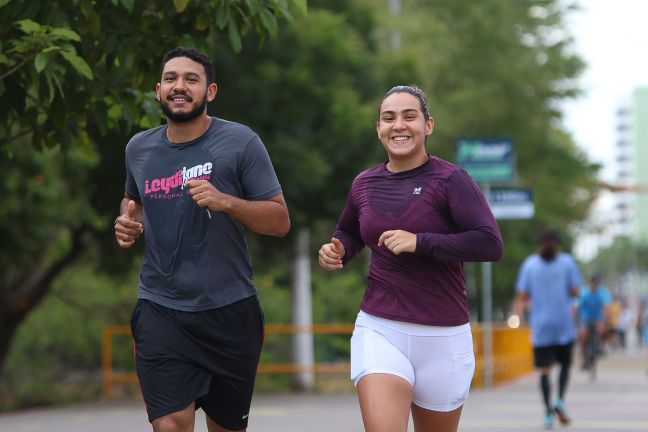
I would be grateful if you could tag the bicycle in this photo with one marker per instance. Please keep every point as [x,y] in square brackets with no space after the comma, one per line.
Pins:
[592,350]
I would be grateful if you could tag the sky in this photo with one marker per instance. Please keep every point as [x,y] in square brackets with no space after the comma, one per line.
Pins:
[612,37]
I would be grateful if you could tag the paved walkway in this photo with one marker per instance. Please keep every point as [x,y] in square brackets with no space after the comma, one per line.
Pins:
[616,402]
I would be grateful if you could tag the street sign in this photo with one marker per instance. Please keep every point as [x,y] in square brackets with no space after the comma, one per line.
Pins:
[487,160]
[490,160]
[511,203]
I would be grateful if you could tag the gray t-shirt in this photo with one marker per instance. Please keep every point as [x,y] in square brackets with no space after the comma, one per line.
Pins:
[192,261]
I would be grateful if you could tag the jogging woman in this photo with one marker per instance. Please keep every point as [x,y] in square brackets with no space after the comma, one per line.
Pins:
[422,217]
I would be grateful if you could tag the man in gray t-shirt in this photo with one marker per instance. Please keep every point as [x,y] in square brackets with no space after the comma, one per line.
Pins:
[196,258]
[193,187]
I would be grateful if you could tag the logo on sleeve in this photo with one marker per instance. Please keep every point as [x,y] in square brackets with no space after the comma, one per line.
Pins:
[417,190]
[171,186]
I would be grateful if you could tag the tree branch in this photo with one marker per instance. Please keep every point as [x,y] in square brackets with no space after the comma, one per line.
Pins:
[37,284]
[18,66]
[18,136]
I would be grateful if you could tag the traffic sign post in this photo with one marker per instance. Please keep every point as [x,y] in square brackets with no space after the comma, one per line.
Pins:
[491,160]
[487,313]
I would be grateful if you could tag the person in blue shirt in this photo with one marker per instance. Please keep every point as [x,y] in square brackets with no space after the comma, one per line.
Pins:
[546,284]
[592,302]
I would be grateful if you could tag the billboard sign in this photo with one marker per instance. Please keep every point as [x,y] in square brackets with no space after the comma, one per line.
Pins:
[487,160]
[511,203]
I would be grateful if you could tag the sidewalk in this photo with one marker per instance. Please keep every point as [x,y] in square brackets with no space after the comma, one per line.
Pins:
[617,401]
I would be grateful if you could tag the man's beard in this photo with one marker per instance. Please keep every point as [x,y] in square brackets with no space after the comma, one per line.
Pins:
[182,117]
[548,252]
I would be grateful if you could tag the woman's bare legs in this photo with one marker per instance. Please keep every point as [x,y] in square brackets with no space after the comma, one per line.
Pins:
[435,421]
[385,402]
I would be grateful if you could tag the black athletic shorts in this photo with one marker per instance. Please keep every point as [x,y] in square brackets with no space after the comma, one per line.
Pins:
[209,357]
[547,355]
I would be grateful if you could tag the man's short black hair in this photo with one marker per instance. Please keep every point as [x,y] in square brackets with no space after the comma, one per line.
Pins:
[549,235]
[195,55]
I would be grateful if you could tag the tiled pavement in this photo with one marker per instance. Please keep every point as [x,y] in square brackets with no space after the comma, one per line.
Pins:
[616,402]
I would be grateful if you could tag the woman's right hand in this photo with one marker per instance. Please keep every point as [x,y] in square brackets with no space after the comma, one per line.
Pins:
[331,254]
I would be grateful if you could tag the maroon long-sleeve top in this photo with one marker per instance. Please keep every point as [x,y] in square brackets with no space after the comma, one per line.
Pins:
[453,223]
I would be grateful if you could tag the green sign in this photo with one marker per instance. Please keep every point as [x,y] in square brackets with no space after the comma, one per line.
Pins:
[487,160]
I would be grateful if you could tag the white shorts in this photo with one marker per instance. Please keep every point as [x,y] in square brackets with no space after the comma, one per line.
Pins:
[437,361]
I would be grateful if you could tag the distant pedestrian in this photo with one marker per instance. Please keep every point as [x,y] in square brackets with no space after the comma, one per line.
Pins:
[624,324]
[549,280]
[642,320]
[613,315]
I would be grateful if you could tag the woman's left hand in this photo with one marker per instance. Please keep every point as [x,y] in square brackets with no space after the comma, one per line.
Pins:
[398,241]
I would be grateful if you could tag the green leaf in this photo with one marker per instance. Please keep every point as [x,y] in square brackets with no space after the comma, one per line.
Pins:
[41,61]
[94,23]
[58,84]
[115,112]
[128,4]
[29,26]
[301,6]
[234,36]
[78,63]
[67,34]
[202,22]
[180,5]
[269,21]
[223,16]
[3,2]
[50,86]
[254,6]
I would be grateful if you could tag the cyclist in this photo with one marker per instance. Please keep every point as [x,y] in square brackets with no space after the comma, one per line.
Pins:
[591,313]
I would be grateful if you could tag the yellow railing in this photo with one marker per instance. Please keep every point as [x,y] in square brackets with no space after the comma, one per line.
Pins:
[512,353]
[111,377]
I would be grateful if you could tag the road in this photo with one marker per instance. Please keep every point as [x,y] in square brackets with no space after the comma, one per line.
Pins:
[616,402]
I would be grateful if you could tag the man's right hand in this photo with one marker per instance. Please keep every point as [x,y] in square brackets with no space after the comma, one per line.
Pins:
[331,254]
[127,229]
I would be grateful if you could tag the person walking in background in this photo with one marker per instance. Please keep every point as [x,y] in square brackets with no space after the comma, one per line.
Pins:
[613,315]
[193,187]
[642,318]
[642,321]
[422,217]
[624,323]
[548,280]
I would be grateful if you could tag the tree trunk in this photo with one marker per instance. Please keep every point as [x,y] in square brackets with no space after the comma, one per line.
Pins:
[19,298]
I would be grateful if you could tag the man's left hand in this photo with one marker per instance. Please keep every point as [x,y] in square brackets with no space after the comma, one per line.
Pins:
[205,194]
